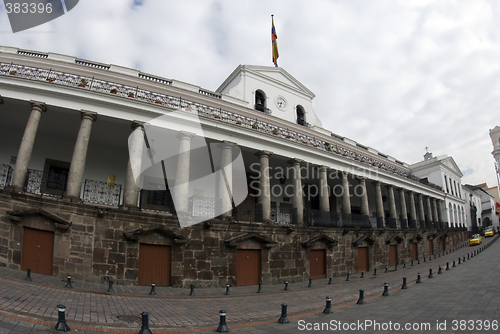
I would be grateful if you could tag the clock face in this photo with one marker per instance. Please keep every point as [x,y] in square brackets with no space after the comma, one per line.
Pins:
[281,103]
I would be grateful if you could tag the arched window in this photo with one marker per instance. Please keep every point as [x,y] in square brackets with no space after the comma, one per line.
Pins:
[260,101]
[301,115]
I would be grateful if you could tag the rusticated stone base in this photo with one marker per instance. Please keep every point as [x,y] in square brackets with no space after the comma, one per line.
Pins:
[104,243]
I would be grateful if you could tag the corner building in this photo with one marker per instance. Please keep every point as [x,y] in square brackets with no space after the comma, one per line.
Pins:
[318,204]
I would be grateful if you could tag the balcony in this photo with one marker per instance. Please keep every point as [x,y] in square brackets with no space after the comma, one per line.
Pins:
[5,175]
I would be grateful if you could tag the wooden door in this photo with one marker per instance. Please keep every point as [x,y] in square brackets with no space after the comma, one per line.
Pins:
[154,265]
[442,245]
[38,250]
[414,252]
[362,259]
[317,259]
[393,255]
[431,248]
[248,267]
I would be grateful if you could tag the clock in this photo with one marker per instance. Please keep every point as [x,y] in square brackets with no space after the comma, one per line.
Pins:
[281,103]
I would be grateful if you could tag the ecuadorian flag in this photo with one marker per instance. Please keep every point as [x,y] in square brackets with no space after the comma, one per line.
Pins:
[274,37]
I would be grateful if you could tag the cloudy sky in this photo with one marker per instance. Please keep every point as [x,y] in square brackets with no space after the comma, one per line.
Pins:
[398,76]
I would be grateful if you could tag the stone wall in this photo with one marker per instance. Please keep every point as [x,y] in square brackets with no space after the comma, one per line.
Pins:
[103,243]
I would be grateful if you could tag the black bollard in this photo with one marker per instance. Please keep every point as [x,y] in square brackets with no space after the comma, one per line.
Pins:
[396,267]
[459,261]
[424,259]
[259,290]
[404,265]
[68,284]
[430,273]
[439,255]
[386,289]
[227,290]
[386,269]
[284,317]
[362,274]
[330,280]
[468,256]
[110,286]
[434,256]
[347,279]
[404,284]
[192,291]
[411,265]
[375,272]
[28,275]
[418,278]
[286,286]
[447,266]
[310,283]
[430,258]
[418,261]
[328,308]
[153,290]
[145,324]
[61,319]
[440,271]
[463,260]
[222,323]
[361,299]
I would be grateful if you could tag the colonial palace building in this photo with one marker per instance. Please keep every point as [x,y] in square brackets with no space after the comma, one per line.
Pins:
[316,203]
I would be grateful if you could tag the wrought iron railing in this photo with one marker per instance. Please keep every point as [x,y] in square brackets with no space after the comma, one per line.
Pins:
[48,184]
[125,91]
[248,212]
[5,175]
[392,222]
[404,224]
[284,215]
[201,206]
[318,218]
[380,222]
[429,224]
[99,192]
[412,224]
[156,200]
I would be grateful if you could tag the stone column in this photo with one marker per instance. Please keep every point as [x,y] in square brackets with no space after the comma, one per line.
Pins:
[428,209]
[421,213]
[404,213]
[439,210]
[392,202]
[378,199]
[26,147]
[365,209]
[324,196]
[265,185]
[131,190]
[297,200]
[413,211]
[346,200]
[77,166]
[182,174]
[226,180]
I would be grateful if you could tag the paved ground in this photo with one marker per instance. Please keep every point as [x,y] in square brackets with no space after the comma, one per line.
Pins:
[466,292]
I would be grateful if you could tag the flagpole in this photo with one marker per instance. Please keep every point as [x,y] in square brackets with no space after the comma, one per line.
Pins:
[276,61]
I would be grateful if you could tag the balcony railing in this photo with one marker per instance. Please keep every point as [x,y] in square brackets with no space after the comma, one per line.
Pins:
[284,215]
[47,184]
[156,200]
[5,175]
[318,218]
[130,92]
[248,212]
[99,192]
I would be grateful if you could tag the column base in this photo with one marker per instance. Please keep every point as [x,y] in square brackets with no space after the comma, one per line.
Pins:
[131,208]
[71,199]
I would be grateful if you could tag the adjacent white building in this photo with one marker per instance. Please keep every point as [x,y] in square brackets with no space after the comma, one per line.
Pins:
[444,172]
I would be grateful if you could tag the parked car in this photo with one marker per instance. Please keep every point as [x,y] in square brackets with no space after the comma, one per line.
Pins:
[476,239]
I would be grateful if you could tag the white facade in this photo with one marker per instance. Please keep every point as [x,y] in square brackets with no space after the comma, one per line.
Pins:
[495,140]
[444,172]
[473,207]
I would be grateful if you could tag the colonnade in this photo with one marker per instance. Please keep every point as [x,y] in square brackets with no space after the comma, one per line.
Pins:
[421,208]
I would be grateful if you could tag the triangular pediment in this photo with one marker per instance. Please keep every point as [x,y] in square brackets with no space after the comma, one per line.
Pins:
[59,222]
[133,235]
[236,241]
[274,75]
[321,238]
[452,165]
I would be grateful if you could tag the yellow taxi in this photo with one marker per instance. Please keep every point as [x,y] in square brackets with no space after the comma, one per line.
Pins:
[489,232]
[475,240]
